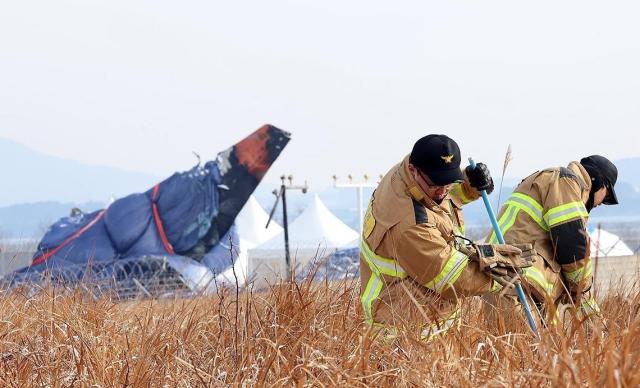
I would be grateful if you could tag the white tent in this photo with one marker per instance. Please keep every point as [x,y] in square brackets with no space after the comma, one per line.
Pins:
[315,227]
[251,222]
[316,233]
[606,244]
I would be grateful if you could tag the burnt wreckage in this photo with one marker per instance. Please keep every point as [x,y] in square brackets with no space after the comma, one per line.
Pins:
[129,247]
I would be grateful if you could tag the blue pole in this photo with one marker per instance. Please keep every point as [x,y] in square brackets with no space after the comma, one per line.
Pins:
[496,229]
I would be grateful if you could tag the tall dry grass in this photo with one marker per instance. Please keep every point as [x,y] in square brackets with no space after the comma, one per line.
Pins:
[298,334]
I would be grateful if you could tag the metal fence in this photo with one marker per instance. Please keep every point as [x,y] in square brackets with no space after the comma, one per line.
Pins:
[147,277]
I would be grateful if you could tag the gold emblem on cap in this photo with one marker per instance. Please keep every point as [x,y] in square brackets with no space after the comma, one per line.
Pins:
[447,158]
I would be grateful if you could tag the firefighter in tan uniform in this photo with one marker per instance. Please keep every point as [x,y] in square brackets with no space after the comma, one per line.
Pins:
[414,268]
[549,209]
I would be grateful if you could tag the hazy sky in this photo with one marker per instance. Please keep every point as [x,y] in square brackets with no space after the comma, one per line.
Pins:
[141,84]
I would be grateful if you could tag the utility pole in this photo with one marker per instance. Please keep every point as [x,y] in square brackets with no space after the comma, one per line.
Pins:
[282,193]
[358,187]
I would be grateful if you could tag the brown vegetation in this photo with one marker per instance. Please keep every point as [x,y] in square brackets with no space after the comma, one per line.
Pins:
[305,334]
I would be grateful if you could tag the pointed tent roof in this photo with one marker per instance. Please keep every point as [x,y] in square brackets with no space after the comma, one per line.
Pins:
[607,244]
[251,223]
[315,227]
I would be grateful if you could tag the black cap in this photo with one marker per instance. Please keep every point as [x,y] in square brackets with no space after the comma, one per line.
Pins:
[438,156]
[601,170]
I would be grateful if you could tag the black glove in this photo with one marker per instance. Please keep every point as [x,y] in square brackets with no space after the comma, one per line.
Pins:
[480,177]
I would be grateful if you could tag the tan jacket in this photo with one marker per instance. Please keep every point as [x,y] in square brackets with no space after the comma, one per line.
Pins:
[547,209]
[409,264]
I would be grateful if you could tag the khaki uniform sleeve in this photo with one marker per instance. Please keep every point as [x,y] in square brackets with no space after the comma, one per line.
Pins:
[464,192]
[430,260]
[565,214]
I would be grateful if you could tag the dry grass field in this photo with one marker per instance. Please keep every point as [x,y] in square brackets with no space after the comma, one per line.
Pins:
[307,334]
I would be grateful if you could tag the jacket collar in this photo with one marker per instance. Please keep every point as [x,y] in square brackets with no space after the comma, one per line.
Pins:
[582,174]
[412,188]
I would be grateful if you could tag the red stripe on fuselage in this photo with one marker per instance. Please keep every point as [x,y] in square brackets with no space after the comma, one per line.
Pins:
[50,253]
[158,221]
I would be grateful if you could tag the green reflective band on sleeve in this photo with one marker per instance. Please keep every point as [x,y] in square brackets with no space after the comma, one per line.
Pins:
[580,274]
[566,212]
[381,265]
[371,293]
[534,275]
[387,333]
[529,206]
[519,202]
[505,222]
[432,330]
[587,308]
[450,273]
[457,191]
[495,286]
